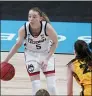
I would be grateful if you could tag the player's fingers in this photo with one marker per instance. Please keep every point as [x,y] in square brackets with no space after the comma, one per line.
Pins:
[42,64]
[45,66]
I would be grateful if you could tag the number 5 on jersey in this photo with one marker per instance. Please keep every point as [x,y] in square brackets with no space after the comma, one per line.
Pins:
[38,46]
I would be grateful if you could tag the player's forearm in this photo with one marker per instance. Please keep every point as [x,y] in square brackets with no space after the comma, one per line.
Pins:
[69,89]
[52,50]
[70,94]
[12,52]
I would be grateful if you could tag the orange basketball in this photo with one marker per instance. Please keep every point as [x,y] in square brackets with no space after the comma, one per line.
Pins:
[7,71]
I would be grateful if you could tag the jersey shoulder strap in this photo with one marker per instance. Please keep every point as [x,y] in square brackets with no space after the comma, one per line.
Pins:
[44,24]
[26,28]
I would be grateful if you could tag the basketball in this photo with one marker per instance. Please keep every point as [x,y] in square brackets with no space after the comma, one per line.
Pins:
[7,71]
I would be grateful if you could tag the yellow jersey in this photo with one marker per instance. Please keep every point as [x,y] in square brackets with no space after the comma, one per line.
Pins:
[83,76]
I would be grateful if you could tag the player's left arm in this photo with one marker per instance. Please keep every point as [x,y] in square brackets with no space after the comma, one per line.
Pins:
[50,31]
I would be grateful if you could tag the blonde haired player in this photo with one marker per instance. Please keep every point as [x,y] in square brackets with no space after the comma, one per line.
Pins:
[36,35]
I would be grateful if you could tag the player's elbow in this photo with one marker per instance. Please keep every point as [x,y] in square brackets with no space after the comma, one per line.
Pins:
[56,43]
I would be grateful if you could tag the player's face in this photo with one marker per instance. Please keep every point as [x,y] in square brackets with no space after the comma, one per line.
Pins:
[34,17]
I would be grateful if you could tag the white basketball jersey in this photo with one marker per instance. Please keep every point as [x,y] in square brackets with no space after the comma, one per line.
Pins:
[40,43]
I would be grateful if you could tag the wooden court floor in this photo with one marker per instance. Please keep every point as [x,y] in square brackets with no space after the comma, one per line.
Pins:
[21,84]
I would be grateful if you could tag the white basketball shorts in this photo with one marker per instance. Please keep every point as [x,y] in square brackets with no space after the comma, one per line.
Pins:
[32,61]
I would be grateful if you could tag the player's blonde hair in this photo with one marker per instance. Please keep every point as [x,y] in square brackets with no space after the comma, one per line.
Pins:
[41,13]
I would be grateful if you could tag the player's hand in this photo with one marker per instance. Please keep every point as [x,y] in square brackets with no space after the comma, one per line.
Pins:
[43,64]
[3,62]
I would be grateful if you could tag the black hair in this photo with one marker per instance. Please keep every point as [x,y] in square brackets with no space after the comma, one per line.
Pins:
[90,45]
[83,52]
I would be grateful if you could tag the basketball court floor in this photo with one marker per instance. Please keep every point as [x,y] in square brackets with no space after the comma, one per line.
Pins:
[21,84]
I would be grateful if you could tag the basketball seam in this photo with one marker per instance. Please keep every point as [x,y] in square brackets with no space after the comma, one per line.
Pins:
[2,69]
[7,72]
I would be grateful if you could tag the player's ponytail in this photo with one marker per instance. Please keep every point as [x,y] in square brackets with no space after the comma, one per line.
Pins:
[45,17]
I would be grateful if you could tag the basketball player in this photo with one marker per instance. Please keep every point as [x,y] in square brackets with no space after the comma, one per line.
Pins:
[40,41]
[42,92]
[81,68]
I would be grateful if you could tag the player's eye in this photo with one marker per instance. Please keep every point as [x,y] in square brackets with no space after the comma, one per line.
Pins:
[29,16]
[34,17]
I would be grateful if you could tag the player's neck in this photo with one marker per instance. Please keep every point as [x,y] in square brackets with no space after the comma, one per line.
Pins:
[35,27]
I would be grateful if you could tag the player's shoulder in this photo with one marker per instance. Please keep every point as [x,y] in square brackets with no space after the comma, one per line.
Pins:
[71,61]
[45,23]
[26,23]
[23,26]
[71,64]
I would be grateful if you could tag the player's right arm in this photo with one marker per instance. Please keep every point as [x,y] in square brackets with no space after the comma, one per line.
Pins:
[19,42]
[69,81]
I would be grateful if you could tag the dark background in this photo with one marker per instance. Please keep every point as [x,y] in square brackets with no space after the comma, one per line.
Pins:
[71,11]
